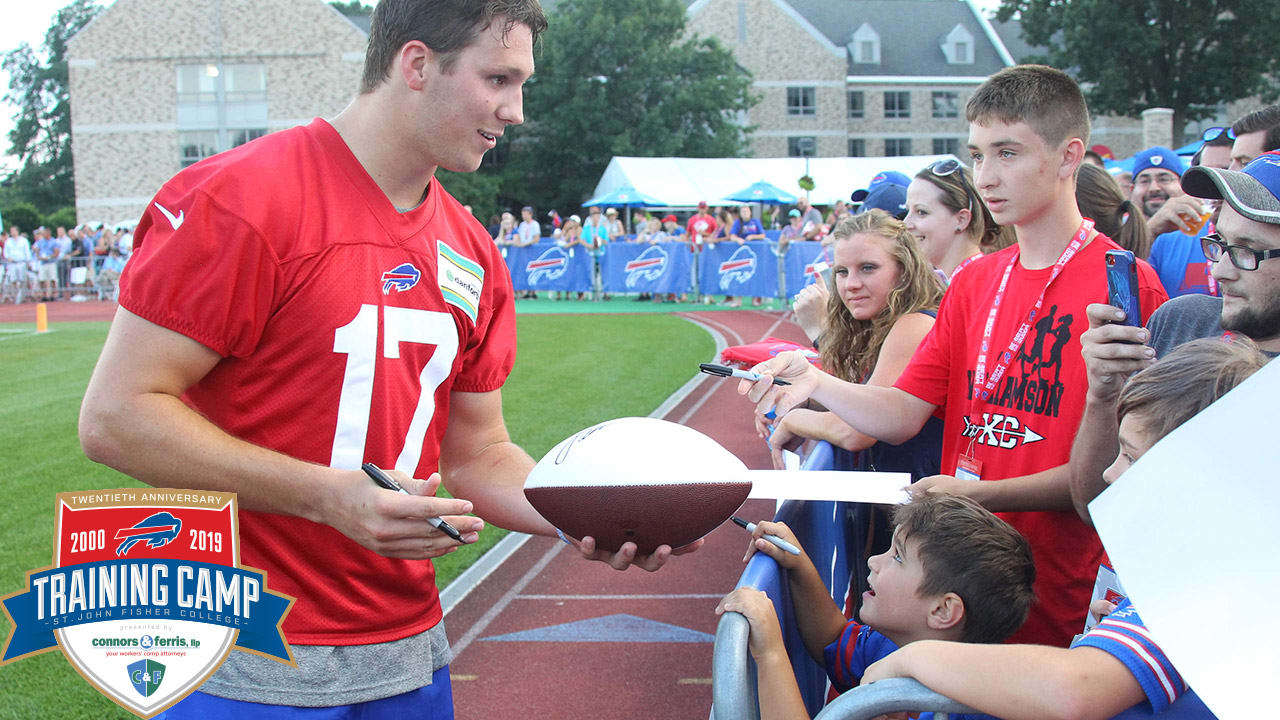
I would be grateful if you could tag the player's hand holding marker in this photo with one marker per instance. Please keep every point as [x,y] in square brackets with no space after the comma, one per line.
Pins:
[395,524]
[790,366]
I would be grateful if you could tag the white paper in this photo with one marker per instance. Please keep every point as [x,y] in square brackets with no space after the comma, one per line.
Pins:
[790,461]
[865,487]
[1192,532]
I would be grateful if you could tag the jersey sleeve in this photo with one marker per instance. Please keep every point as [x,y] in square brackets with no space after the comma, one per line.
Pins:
[490,351]
[201,270]
[857,648]
[1123,636]
[927,374]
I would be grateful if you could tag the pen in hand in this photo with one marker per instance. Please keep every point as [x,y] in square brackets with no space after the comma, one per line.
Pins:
[751,527]
[726,371]
[388,482]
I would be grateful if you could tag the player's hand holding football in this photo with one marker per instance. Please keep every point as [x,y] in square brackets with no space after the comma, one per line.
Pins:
[394,524]
[1112,352]
[791,366]
[626,555]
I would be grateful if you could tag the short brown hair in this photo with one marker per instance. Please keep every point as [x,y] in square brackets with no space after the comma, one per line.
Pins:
[1100,200]
[1268,119]
[445,26]
[1044,98]
[1188,380]
[968,551]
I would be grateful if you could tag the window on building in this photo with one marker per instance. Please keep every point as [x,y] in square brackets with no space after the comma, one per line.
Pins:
[856,104]
[957,46]
[897,104]
[857,147]
[943,146]
[801,101]
[865,45]
[897,146]
[946,104]
[802,146]
[220,106]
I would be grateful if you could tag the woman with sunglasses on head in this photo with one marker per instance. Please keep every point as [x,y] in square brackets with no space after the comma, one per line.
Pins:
[953,225]
[1099,198]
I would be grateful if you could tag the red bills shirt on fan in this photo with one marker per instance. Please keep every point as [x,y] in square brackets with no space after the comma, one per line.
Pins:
[343,327]
[1030,418]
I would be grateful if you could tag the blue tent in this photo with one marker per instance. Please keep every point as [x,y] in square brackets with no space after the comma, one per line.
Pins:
[763,193]
[624,197]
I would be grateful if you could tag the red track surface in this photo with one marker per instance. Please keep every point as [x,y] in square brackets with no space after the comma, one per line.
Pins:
[545,584]
[62,311]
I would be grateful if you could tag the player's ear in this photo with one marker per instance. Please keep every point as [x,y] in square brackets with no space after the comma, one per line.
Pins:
[412,63]
[947,612]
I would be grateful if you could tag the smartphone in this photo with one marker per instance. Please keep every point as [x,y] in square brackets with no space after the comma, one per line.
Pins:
[1122,285]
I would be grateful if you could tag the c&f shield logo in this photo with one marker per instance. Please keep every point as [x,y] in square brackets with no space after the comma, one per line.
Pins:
[146,597]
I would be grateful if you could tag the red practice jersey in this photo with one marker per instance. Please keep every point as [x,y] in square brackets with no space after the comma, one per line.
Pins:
[1030,419]
[343,326]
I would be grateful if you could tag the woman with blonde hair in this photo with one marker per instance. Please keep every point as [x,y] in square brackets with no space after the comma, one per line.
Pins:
[952,223]
[1100,200]
[571,237]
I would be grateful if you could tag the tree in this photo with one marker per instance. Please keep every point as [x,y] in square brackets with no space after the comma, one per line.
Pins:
[621,79]
[1137,54]
[41,136]
[352,8]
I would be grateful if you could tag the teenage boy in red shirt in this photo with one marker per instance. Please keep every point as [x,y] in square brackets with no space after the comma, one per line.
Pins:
[1003,360]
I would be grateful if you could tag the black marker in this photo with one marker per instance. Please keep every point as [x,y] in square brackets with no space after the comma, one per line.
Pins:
[751,527]
[390,483]
[726,371]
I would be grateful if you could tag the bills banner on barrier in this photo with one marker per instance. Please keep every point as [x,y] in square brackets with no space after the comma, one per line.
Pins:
[803,263]
[146,597]
[549,267]
[665,267]
[748,270]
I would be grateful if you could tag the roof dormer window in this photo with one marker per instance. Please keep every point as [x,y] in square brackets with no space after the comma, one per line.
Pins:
[866,45]
[957,46]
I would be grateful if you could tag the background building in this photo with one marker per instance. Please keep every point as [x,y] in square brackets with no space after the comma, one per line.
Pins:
[157,85]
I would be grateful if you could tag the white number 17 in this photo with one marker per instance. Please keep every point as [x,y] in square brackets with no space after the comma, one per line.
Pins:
[358,340]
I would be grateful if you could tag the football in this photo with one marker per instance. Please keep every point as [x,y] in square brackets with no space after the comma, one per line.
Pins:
[640,480]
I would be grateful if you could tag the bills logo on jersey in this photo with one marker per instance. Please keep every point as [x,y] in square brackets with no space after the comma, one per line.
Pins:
[548,266]
[739,268]
[403,277]
[997,430]
[158,530]
[649,265]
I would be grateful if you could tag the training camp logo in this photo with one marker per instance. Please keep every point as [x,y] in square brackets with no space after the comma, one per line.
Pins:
[648,266]
[146,597]
[549,266]
[400,279]
[739,268]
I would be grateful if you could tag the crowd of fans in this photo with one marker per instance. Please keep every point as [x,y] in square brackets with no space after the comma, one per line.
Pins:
[63,264]
[950,343]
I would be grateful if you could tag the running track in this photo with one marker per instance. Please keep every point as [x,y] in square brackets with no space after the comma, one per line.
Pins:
[547,635]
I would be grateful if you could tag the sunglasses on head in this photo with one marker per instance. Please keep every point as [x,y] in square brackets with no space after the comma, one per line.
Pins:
[1215,132]
[943,168]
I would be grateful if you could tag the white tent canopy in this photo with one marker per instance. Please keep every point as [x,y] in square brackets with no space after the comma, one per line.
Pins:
[683,182]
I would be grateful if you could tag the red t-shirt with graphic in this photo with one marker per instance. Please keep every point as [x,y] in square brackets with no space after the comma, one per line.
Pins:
[1030,420]
[343,327]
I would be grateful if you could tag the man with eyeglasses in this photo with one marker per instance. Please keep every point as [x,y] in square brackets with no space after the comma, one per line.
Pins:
[1176,254]
[1244,256]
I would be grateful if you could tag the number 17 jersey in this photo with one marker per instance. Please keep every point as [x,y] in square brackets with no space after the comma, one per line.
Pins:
[343,326]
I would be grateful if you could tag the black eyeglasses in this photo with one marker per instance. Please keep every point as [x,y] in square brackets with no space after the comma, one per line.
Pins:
[950,166]
[1242,257]
[1215,132]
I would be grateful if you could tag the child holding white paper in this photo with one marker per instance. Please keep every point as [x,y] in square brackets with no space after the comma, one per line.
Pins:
[1117,666]
[954,571]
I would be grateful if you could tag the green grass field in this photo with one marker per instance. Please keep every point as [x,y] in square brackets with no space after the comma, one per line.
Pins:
[571,372]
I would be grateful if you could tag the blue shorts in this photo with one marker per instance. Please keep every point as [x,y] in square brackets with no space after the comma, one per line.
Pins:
[433,702]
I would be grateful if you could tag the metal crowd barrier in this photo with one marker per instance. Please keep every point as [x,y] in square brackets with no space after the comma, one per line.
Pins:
[69,278]
[823,532]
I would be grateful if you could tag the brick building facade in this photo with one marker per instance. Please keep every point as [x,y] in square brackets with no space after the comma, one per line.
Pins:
[159,84]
